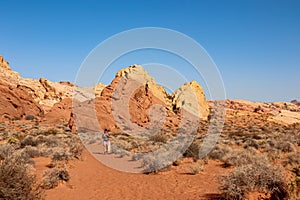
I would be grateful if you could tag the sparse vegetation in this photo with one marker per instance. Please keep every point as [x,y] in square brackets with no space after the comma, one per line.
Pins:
[16,180]
[193,151]
[292,159]
[256,177]
[218,152]
[159,138]
[195,167]
[53,176]
[241,157]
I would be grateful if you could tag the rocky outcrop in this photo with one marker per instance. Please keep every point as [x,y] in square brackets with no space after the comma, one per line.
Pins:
[191,98]
[44,92]
[59,113]
[134,100]
[6,74]
[295,102]
[98,89]
[17,103]
[280,112]
[4,64]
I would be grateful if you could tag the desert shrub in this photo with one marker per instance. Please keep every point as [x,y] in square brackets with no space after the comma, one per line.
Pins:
[23,157]
[294,186]
[192,151]
[31,151]
[218,152]
[292,159]
[16,181]
[195,168]
[52,141]
[251,143]
[60,154]
[50,131]
[285,146]
[137,156]
[75,146]
[151,164]
[241,157]
[41,139]
[256,177]
[162,138]
[6,150]
[294,189]
[53,176]
[76,149]
[28,141]
[122,145]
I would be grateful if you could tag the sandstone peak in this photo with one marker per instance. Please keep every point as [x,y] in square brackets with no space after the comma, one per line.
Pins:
[3,63]
[98,89]
[191,98]
[137,73]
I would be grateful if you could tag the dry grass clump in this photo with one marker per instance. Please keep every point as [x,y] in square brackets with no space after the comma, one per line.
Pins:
[159,138]
[193,151]
[16,180]
[242,157]
[6,150]
[31,151]
[75,148]
[292,159]
[256,177]
[294,186]
[51,131]
[150,164]
[53,176]
[57,144]
[219,152]
[195,167]
[285,146]
[251,143]
[60,154]
[29,140]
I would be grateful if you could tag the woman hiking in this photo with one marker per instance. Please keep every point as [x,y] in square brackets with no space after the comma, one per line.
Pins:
[106,142]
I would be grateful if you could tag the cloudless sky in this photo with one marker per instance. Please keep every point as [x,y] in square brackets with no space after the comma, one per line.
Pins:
[255,44]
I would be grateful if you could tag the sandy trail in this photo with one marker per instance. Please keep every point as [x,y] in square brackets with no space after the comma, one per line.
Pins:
[90,179]
[125,163]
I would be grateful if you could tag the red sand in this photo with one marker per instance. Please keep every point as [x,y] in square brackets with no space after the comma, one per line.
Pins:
[90,179]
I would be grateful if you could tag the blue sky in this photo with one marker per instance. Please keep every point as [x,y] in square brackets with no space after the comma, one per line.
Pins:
[255,44]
